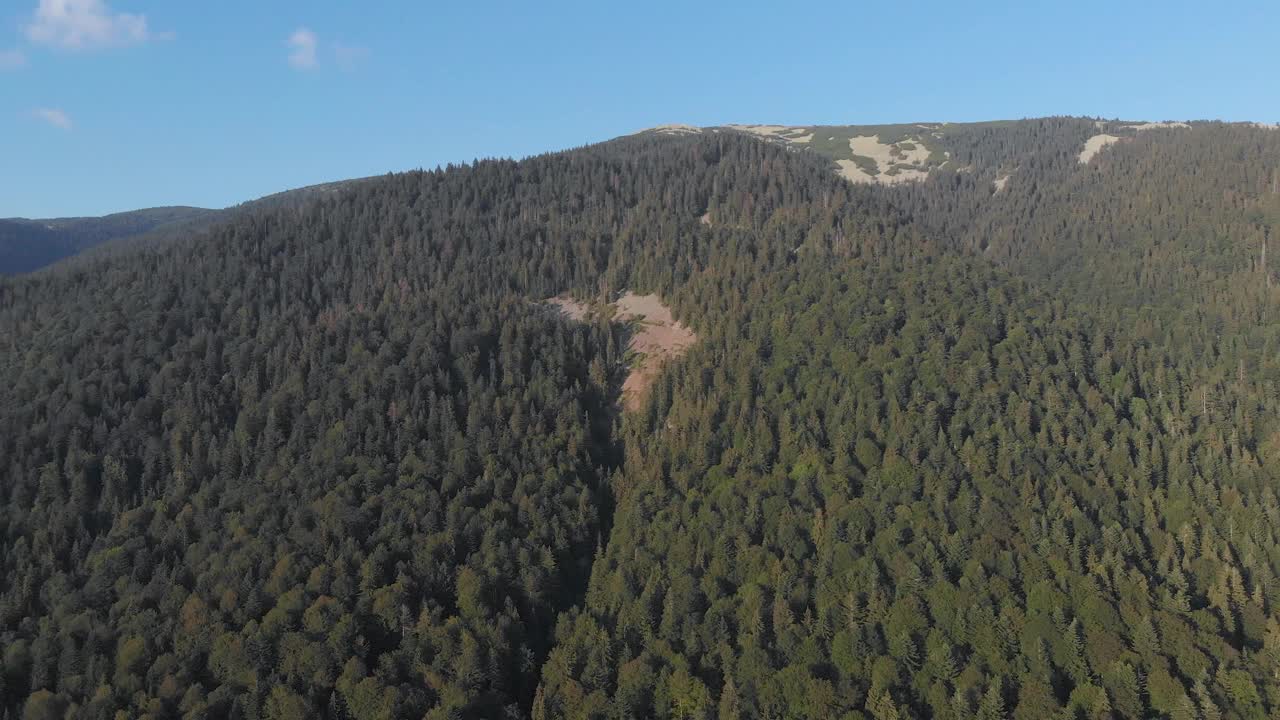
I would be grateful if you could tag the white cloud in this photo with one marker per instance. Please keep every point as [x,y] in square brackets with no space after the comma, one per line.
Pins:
[56,118]
[85,24]
[303,43]
[12,59]
[349,56]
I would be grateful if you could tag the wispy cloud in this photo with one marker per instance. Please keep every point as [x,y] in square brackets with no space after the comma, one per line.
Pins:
[12,59]
[349,57]
[303,44]
[85,25]
[56,118]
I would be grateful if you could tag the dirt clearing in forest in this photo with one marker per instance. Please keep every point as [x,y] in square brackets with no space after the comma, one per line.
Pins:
[1095,144]
[655,337]
[570,307]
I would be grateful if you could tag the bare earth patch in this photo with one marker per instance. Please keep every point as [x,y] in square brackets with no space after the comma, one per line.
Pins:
[869,160]
[572,309]
[656,338]
[900,162]
[1095,144]
[1001,182]
[674,129]
[853,172]
[1157,125]
[780,132]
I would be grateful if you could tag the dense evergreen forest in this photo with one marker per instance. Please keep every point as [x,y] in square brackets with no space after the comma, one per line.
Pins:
[940,451]
[29,245]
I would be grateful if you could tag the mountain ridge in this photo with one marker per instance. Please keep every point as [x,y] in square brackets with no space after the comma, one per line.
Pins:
[939,451]
[29,244]
[907,152]
[874,154]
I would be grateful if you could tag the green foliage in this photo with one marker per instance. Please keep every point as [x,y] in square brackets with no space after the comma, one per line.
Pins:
[937,453]
[950,494]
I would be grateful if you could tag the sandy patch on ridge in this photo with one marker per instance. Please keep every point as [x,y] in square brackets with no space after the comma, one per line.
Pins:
[1094,144]
[1157,125]
[886,157]
[674,129]
[853,172]
[778,132]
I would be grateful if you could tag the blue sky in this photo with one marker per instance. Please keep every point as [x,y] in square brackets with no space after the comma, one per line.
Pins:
[108,105]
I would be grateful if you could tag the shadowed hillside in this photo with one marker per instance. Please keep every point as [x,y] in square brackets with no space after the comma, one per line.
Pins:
[27,245]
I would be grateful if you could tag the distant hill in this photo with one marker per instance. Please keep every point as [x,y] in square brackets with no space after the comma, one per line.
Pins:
[30,244]
[27,245]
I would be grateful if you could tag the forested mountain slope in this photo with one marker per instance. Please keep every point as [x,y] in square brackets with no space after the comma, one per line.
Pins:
[1170,216]
[340,461]
[928,495]
[27,245]
[987,504]
[336,462]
